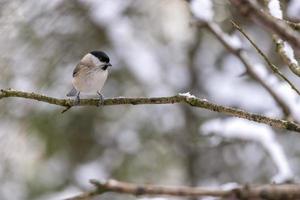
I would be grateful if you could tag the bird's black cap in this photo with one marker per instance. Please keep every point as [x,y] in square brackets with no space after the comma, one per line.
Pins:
[101,56]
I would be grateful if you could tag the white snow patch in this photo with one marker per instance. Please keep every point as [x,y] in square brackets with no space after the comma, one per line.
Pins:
[233,40]
[289,52]
[187,94]
[274,8]
[202,9]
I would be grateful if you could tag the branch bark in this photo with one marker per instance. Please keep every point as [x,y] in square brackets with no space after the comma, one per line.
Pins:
[266,192]
[180,98]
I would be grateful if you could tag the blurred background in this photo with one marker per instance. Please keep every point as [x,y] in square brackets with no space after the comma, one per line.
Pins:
[155,50]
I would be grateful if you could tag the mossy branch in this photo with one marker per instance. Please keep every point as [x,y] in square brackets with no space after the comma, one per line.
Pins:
[180,98]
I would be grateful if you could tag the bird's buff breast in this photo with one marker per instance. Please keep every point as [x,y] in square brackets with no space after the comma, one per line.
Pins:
[90,82]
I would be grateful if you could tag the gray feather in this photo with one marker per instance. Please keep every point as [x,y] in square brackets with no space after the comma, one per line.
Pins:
[72,93]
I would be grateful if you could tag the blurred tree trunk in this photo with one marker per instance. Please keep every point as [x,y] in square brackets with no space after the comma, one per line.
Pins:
[188,136]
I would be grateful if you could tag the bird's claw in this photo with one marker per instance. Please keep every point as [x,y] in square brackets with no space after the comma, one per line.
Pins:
[101,99]
[77,99]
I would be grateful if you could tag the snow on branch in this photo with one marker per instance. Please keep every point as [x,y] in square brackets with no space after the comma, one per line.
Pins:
[275,9]
[287,54]
[277,26]
[180,98]
[202,9]
[283,48]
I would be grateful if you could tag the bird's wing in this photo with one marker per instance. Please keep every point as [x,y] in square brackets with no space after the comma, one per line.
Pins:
[80,66]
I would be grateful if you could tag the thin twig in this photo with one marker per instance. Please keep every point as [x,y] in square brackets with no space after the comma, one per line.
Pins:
[66,109]
[279,27]
[239,53]
[271,65]
[180,98]
[266,192]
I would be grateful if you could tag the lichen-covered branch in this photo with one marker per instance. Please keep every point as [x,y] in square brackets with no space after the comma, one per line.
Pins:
[180,98]
[266,192]
[277,26]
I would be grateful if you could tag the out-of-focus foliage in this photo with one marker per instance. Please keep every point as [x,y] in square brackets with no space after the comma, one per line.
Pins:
[155,51]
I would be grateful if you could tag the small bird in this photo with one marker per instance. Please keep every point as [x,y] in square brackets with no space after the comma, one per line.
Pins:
[90,75]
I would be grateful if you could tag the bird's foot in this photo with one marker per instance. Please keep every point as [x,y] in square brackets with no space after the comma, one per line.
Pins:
[77,99]
[101,99]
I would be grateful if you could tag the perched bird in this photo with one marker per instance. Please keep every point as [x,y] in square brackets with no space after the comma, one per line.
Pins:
[90,75]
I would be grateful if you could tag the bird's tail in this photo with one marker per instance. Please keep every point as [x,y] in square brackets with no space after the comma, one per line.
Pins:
[72,93]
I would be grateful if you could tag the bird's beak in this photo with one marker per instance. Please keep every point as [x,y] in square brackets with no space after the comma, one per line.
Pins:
[108,65]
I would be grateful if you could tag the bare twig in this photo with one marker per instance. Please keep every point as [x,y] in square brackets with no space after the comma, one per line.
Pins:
[266,192]
[216,31]
[180,98]
[249,8]
[271,65]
